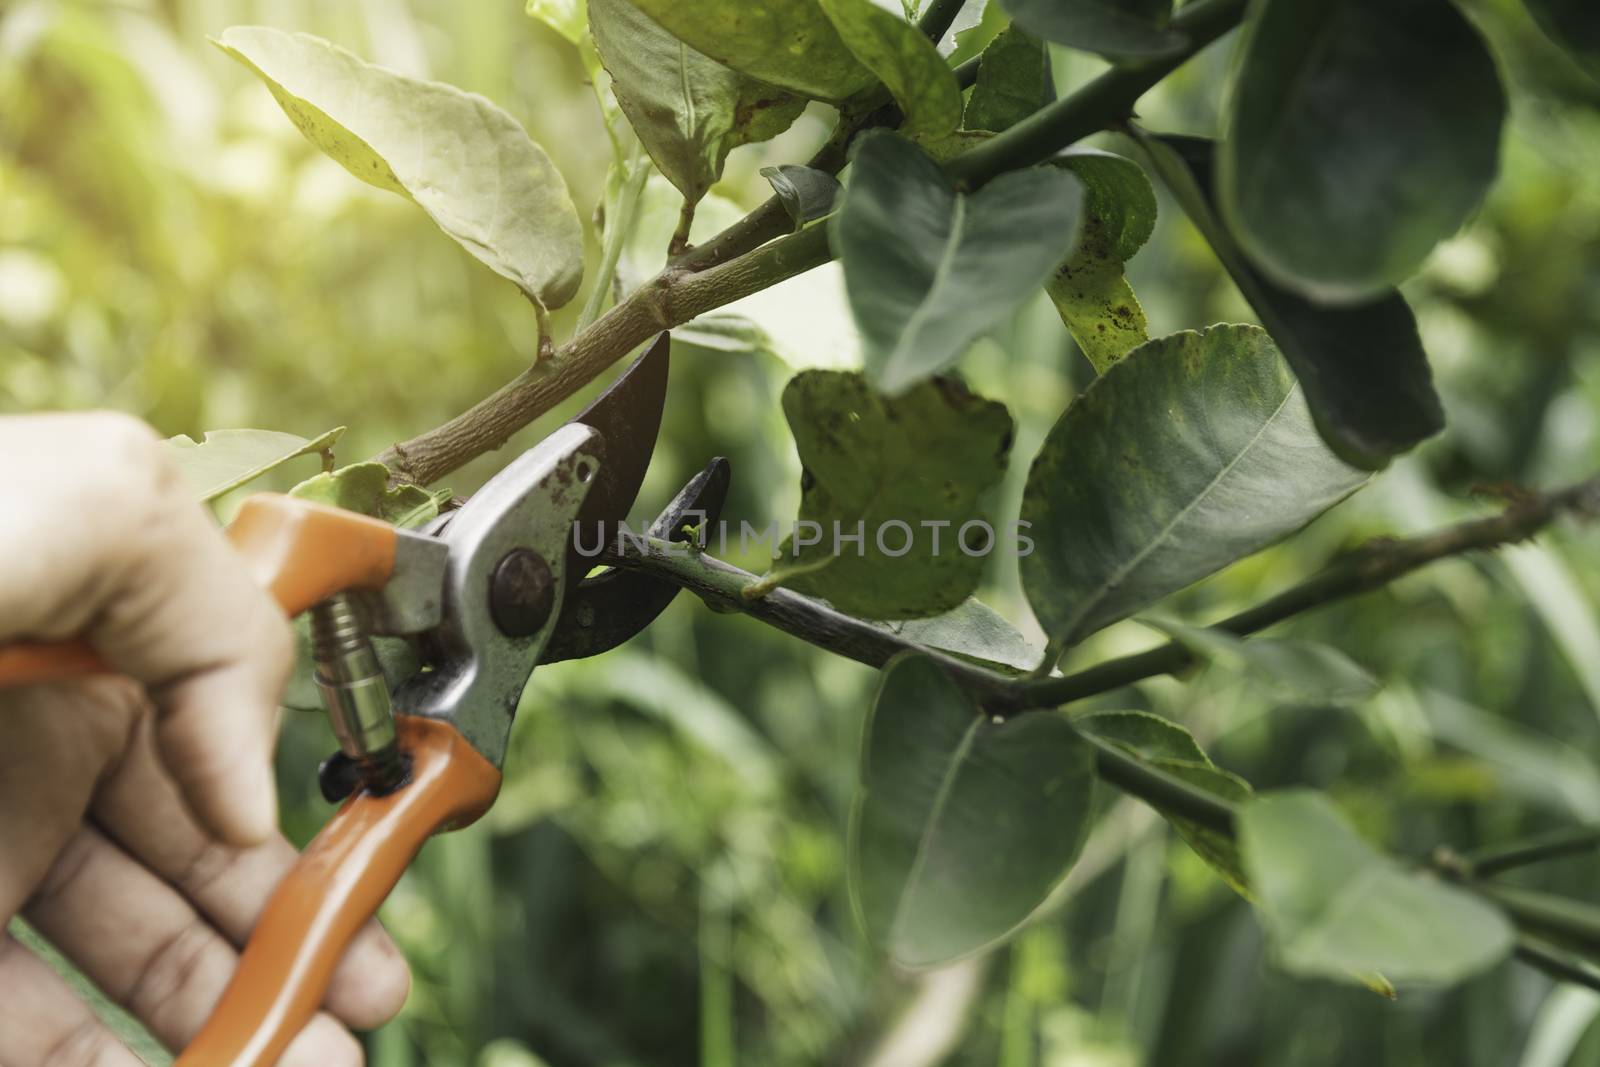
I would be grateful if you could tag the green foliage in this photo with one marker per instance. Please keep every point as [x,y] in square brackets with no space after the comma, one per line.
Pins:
[929,268]
[688,110]
[1169,749]
[1089,290]
[791,43]
[961,826]
[465,162]
[664,877]
[1132,30]
[807,194]
[1194,451]
[905,61]
[1360,135]
[1362,365]
[1337,908]
[569,18]
[1303,671]
[365,488]
[905,473]
[973,631]
[1013,82]
[223,460]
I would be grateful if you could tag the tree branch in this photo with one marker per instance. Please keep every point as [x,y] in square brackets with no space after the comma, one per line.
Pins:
[671,298]
[940,16]
[1496,859]
[740,260]
[1103,103]
[1369,567]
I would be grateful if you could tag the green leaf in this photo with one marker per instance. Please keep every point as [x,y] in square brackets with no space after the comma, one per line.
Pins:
[974,29]
[1360,135]
[907,472]
[689,110]
[1362,366]
[364,487]
[1089,290]
[223,460]
[1144,734]
[908,64]
[457,156]
[1218,850]
[961,827]
[1171,749]
[1013,82]
[973,631]
[1335,907]
[1117,198]
[930,269]
[783,42]
[1574,25]
[807,194]
[566,17]
[1192,452]
[1116,29]
[1286,670]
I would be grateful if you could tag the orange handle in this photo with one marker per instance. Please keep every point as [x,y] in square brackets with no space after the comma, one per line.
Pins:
[299,551]
[338,883]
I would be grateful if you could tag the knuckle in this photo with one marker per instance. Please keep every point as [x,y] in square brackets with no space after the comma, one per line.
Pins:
[135,455]
[70,864]
[168,970]
[210,862]
[85,1045]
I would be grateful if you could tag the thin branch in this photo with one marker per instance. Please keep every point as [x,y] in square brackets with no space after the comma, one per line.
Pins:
[752,255]
[940,16]
[1556,844]
[1556,964]
[1102,103]
[1370,567]
[669,299]
[1164,792]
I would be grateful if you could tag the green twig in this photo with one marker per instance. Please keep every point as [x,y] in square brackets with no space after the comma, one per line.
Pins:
[1558,965]
[939,17]
[1160,790]
[1496,859]
[1370,567]
[619,225]
[1102,103]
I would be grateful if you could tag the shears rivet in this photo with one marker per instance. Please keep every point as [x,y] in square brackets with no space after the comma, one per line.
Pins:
[522,593]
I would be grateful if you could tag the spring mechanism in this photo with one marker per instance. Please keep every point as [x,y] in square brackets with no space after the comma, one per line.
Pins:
[355,693]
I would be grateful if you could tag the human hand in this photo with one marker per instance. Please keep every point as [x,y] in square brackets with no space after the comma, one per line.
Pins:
[138,815]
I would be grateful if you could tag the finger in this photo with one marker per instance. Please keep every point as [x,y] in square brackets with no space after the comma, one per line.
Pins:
[43,1022]
[139,806]
[135,938]
[58,740]
[117,549]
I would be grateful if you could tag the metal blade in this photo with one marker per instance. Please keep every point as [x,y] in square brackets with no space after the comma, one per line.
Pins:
[602,612]
[628,416]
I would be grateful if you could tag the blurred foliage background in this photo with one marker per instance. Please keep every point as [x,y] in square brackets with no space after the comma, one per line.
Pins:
[662,881]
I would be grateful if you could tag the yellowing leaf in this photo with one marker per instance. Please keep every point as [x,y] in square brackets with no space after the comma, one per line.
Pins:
[470,166]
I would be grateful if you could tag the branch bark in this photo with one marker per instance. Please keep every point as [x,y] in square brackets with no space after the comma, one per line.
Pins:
[1369,567]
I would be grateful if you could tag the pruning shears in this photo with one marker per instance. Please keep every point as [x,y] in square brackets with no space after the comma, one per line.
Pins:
[486,593]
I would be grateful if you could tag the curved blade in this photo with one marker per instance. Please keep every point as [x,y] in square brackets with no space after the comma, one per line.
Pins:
[628,416]
[602,612]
